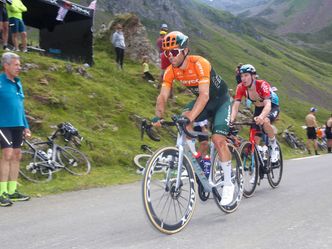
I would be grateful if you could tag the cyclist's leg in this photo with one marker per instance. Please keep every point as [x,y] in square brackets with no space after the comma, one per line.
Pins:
[204,145]
[220,129]
[270,132]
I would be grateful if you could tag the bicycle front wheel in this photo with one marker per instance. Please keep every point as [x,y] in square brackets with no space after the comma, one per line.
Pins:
[250,168]
[274,170]
[237,180]
[74,161]
[168,207]
[34,168]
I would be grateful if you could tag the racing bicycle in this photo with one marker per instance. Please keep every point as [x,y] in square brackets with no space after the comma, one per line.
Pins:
[41,159]
[257,162]
[169,184]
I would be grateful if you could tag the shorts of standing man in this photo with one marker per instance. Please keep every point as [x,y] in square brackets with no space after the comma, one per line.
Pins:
[16,25]
[311,133]
[11,137]
[328,132]
[3,13]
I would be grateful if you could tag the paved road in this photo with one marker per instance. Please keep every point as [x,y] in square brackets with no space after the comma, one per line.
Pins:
[296,215]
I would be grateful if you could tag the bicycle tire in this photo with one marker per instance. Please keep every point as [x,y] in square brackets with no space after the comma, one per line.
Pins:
[160,194]
[33,168]
[273,168]
[250,169]
[237,179]
[74,161]
[141,160]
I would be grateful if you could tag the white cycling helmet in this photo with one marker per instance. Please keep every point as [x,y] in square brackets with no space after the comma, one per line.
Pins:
[248,68]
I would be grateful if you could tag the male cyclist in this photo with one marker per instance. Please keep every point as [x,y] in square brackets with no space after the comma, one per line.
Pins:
[266,111]
[197,74]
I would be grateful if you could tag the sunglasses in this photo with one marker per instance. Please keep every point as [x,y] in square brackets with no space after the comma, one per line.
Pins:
[173,52]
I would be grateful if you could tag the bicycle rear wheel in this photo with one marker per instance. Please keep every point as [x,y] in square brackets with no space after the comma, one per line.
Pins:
[250,169]
[169,209]
[237,180]
[74,161]
[34,168]
[274,173]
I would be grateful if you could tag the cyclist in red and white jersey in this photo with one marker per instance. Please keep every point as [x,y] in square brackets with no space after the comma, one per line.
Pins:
[266,111]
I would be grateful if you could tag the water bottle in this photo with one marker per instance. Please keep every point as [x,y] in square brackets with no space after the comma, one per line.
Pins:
[198,157]
[49,153]
[260,150]
[264,152]
[207,165]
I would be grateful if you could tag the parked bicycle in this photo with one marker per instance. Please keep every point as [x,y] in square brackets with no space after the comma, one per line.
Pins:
[292,140]
[257,162]
[169,191]
[41,159]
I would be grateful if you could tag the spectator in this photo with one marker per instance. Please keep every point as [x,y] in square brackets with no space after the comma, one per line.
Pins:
[328,133]
[13,126]
[146,71]
[118,42]
[4,24]
[237,73]
[164,62]
[310,121]
[16,24]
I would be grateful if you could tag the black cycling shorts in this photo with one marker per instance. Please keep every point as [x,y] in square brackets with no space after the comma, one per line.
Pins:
[328,132]
[274,113]
[11,137]
[311,133]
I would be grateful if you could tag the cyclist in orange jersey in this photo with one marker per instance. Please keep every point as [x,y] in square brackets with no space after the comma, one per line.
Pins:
[212,98]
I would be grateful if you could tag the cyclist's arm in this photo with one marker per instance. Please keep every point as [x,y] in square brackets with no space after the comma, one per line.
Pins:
[162,100]
[235,109]
[267,108]
[240,92]
[201,101]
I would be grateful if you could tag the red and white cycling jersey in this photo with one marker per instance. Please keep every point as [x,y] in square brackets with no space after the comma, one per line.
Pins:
[263,91]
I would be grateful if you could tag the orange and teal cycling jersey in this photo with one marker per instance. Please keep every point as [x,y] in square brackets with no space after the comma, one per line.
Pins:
[199,71]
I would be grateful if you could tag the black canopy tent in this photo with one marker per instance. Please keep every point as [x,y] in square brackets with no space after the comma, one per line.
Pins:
[71,38]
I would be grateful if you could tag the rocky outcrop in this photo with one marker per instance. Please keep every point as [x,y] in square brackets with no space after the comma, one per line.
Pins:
[136,38]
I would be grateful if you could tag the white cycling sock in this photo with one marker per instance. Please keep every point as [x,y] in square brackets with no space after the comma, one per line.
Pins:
[227,168]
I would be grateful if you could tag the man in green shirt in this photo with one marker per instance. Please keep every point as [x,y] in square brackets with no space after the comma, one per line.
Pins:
[16,23]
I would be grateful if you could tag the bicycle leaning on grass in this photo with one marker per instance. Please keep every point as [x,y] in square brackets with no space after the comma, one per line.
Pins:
[257,162]
[169,185]
[41,159]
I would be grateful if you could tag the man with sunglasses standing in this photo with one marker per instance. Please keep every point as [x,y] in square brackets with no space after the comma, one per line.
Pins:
[13,126]
[212,102]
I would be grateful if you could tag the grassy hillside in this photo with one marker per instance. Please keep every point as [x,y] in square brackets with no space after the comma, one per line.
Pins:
[102,108]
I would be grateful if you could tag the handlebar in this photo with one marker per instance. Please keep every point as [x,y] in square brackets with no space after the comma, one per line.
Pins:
[244,123]
[179,121]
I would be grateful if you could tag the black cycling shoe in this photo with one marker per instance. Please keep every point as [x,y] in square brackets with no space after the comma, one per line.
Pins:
[4,201]
[16,196]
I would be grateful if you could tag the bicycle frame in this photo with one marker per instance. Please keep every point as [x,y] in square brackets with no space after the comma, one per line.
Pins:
[252,135]
[50,162]
[184,149]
